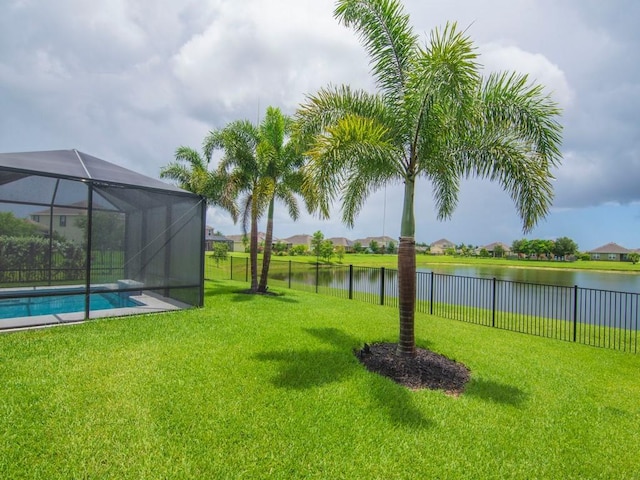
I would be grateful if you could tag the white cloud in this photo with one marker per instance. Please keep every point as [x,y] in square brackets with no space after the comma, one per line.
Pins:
[130,80]
[498,57]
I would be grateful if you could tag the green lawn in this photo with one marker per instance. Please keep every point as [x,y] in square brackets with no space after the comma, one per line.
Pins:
[268,387]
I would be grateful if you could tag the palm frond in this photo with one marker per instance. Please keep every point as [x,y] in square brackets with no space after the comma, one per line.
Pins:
[355,152]
[287,197]
[521,171]
[331,104]
[178,172]
[190,156]
[273,128]
[510,102]
[238,140]
[443,90]
[514,140]
[444,175]
[384,29]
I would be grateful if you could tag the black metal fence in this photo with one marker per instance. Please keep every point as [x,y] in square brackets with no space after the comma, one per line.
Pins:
[105,265]
[592,317]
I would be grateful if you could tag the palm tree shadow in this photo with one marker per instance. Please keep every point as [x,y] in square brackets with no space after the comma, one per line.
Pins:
[334,337]
[398,405]
[216,287]
[246,296]
[496,392]
[306,369]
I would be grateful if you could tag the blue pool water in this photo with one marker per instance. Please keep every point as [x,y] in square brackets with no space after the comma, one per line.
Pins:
[29,307]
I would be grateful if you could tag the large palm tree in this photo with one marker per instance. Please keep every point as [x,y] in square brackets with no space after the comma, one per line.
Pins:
[282,163]
[435,118]
[262,166]
[242,167]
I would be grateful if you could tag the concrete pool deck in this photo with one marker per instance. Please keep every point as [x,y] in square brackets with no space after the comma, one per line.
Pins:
[149,302]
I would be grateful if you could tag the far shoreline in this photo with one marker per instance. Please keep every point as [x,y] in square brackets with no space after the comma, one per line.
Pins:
[534,267]
[433,261]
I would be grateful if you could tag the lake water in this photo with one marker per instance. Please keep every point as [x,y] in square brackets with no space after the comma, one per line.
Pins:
[613,281]
[602,300]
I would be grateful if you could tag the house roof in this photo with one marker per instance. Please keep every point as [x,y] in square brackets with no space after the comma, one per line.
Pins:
[235,238]
[442,241]
[492,246]
[611,248]
[239,238]
[366,241]
[76,165]
[298,239]
[217,238]
[341,241]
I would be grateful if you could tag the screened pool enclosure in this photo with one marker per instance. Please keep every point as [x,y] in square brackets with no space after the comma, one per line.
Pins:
[82,238]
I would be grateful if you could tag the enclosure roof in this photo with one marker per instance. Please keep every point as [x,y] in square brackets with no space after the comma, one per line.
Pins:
[73,164]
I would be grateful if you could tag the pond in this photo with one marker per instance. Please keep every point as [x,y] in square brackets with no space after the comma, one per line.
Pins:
[587,298]
[613,281]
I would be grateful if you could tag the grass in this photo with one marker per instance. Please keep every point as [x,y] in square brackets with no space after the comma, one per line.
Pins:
[268,387]
[426,261]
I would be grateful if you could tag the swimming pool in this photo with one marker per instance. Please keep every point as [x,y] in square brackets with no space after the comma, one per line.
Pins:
[51,305]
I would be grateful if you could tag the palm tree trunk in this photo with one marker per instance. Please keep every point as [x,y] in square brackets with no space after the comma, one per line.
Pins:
[253,249]
[268,241]
[407,274]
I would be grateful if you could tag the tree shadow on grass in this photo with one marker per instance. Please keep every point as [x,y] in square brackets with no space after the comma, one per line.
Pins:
[216,287]
[242,296]
[305,369]
[398,405]
[495,392]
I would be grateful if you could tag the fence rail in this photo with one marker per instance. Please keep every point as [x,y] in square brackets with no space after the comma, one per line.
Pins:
[57,269]
[599,318]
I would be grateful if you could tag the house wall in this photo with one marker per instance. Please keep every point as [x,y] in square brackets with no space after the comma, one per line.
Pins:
[65,227]
[612,257]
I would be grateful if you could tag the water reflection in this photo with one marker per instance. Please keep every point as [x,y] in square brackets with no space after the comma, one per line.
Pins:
[517,295]
[616,281]
[364,277]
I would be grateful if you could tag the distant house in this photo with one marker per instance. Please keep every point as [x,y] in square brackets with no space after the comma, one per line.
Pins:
[342,242]
[382,241]
[610,251]
[506,249]
[241,242]
[439,247]
[211,238]
[303,239]
[64,221]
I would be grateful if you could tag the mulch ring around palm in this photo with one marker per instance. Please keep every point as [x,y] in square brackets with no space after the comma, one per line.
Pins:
[425,370]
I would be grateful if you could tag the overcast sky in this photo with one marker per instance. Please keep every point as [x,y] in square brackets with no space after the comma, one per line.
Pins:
[130,81]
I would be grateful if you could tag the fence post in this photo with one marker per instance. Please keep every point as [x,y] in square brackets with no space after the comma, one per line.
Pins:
[231,267]
[381,285]
[289,273]
[317,275]
[350,282]
[246,270]
[493,308]
[431,293]
[575,312]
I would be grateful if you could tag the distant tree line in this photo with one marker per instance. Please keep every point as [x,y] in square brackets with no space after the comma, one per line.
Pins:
[561,248]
